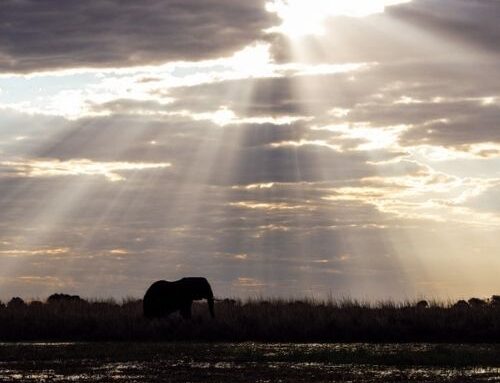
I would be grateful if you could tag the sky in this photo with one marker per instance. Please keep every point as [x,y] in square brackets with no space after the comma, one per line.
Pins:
[301,148]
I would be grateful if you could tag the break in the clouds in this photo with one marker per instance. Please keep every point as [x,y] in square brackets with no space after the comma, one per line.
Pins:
[226,139]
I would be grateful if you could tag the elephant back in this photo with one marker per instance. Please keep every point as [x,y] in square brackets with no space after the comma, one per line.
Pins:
[160,299]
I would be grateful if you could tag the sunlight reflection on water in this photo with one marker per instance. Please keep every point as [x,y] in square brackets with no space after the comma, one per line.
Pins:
[306,371]
[226,362]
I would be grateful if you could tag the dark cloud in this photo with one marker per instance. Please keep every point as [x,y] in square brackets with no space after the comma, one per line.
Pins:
[474,22]
[471,125]
[47,34]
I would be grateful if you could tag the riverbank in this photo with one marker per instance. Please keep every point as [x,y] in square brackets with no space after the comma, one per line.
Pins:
[254,320]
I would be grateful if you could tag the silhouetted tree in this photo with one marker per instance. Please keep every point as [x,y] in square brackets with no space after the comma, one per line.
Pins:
[477,302]
[461,304]
[495,300]
[15,303]
[422,304]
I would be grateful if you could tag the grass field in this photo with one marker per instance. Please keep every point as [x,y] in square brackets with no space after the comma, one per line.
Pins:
[253,320]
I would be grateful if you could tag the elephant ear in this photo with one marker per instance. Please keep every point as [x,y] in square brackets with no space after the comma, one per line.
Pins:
[198,289]
[207,289]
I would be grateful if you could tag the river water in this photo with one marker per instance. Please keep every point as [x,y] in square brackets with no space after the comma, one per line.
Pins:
[246,362]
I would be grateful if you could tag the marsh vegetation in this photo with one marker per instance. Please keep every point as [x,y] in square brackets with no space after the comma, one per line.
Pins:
[252,320]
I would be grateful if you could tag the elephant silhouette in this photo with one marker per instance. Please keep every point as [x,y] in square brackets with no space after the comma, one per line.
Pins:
[163,297]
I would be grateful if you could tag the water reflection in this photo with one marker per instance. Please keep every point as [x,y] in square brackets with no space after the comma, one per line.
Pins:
[248,362]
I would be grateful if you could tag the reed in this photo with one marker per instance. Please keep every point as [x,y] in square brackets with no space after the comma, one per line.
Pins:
[273,320]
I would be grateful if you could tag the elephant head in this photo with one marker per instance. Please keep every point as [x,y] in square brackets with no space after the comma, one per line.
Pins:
[199,289]
[163,297]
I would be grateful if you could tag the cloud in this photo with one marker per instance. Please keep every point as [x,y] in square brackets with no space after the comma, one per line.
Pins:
[474,22]
[58,252]
[487,201]
[47,35]
[236,154]
[470,123]
[410,31]
[288,178]
[307,17]
[76,167]
[249,283]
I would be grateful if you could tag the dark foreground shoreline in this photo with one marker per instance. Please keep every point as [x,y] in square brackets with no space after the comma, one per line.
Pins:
[247,362]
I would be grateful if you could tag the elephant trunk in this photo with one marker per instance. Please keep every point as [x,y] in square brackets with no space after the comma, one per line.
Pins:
[210,301]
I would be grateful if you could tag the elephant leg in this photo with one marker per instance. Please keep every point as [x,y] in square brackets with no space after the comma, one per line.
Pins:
[186,310]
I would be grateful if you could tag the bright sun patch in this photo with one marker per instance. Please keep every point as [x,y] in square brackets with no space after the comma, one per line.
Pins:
[306,17]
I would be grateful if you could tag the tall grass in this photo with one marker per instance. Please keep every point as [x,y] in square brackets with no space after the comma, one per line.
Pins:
[275,320]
